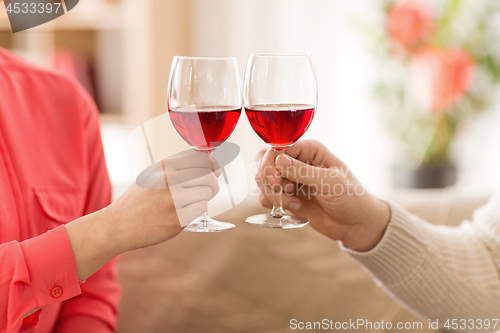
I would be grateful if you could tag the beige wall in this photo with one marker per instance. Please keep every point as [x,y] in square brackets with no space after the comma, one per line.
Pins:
[171,36]
[155,31]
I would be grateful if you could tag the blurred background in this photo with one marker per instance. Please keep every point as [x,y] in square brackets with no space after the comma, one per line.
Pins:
[121,51]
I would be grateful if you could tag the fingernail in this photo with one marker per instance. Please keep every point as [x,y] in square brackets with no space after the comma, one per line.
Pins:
[294,205]
[287,161]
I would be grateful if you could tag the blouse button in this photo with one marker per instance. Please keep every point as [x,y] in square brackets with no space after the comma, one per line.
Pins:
[56,292]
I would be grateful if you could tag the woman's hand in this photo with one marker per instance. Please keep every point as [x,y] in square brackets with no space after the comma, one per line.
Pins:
[320,187]
[166,197]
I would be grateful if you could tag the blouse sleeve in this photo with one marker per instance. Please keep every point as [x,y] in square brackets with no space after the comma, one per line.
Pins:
[24,279]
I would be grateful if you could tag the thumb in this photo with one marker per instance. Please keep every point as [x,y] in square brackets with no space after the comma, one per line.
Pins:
[303,173]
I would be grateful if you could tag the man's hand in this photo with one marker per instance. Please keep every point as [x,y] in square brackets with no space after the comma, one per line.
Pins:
[167,197]
[320,187]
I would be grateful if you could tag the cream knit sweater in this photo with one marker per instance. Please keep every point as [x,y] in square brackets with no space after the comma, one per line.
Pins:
[441,272]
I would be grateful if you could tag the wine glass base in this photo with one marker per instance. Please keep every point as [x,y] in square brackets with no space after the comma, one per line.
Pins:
[283,222]
[204,224]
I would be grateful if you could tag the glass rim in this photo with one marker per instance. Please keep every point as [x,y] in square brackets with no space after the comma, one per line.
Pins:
[280,54]
[204,57]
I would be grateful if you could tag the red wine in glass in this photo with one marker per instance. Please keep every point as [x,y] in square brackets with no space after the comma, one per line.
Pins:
[280,125]
[205,128]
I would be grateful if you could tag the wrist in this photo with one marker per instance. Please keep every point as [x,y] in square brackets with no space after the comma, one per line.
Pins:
[114,231]
[91,241]
[365,235]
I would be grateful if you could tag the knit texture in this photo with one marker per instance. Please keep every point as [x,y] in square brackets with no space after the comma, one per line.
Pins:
[440,272]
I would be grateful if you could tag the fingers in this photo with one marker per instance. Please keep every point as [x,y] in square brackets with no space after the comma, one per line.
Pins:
[208,180]
[216,168]
[288,186]
[183,197]
[190,212]
[313,152]
[193,189]
[193,160]
[300,172]
[258,159]
[305,150]
[196,160]
[191,202]
[310,152]
[260,155]
[267,171]
[191,177]
[193,169]
[289,200]
[264,201]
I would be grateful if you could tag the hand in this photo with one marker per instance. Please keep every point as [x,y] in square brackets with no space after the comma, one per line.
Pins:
[166,197]
[319,186]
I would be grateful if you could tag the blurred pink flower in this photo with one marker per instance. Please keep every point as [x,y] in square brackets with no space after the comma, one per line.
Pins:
[441,77]
[410,23]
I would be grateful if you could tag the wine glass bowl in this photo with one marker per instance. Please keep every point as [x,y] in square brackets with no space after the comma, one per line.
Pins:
[280,98]
[280,125]
[205,128]
[204,105]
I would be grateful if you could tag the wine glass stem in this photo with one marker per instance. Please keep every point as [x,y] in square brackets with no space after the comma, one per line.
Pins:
[205,218]
[277,195]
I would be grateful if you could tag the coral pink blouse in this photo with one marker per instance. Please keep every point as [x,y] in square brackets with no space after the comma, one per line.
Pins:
[52,171]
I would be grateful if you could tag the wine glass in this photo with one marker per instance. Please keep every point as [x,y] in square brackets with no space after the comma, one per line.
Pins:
[280,99]
[204,105]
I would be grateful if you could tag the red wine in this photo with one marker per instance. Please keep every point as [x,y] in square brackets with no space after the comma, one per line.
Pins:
[280,125]
[205,127]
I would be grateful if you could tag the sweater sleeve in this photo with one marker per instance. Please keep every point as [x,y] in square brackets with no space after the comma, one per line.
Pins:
[440,272]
